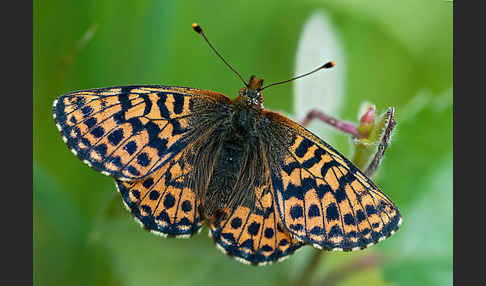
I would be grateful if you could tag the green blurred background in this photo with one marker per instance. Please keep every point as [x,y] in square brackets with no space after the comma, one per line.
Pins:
[397,54]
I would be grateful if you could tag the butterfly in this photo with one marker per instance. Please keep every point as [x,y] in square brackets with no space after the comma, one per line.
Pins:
[184,157]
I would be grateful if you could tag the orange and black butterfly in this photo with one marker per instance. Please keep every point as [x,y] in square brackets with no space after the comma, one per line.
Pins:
[183,157]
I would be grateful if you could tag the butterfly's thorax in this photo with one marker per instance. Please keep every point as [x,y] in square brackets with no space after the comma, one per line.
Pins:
[244,119]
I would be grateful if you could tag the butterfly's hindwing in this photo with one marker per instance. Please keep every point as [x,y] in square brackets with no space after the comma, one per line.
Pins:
[128,132]
[164,202]
[322,198]
[253,235]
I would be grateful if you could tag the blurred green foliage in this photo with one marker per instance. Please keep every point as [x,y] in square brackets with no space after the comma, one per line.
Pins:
[398,54]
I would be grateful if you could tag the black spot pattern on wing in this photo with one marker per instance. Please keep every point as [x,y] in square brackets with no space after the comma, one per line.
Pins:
[128,132]
[164,202]
[253,236]
[322,198]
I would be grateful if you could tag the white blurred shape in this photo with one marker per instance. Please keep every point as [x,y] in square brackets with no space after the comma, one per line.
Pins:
[323,90]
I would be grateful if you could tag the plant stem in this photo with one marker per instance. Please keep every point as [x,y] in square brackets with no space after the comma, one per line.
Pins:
[306,276]
[341,125]
[385,141]
[360,264]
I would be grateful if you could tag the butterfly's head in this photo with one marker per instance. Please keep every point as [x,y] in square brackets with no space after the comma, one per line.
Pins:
[252,94]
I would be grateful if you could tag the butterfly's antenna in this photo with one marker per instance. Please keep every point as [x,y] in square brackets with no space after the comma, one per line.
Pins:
[199,30]
[327,65]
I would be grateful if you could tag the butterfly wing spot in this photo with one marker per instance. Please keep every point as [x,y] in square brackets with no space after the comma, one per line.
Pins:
[163,202]
[142,90]
[112,91]
[253,236]
[87,162]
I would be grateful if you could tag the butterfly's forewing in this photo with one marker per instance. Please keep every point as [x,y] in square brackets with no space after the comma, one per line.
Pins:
[321,197]
[253,234]
[129,132]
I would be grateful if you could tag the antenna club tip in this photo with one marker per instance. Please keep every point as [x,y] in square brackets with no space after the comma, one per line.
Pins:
[197,28]
[329,65]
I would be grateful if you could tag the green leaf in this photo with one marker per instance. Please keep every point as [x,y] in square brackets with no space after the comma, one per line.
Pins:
[422,249]
[62,254]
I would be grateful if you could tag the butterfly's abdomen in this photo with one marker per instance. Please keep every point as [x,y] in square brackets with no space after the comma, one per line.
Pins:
[224,176]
